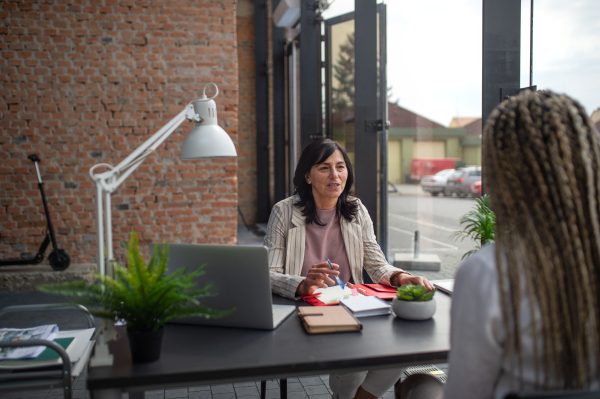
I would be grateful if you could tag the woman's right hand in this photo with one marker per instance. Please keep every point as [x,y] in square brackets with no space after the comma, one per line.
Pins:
[315,278]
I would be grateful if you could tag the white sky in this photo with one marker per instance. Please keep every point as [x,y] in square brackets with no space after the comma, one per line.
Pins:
[434,52]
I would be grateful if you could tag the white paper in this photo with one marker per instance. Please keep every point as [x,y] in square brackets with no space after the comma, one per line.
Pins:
[333,294]
[47,332]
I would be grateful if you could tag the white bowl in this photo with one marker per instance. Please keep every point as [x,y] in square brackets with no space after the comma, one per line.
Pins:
[414,310]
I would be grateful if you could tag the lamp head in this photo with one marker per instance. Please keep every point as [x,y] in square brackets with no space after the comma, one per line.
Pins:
[207,139]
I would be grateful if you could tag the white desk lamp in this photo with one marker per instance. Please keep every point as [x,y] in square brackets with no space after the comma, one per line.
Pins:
[206,140]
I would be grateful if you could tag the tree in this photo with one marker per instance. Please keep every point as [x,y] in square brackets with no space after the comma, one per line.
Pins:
[343,72]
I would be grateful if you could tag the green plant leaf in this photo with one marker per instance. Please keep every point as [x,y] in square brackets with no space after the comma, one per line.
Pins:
[414,293]
[478,224]
[142,294]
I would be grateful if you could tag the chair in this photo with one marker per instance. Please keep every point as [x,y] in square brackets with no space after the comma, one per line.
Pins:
[419,386]
[73,317]
[555,395]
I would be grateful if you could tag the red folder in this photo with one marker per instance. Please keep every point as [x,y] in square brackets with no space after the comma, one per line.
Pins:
[378,290]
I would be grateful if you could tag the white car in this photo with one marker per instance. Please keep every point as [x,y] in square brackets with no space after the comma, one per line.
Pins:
[435,184]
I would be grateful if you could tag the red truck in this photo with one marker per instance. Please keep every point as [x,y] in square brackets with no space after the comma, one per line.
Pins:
[420,167]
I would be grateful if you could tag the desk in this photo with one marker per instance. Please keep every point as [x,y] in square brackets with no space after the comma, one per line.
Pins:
[195,355]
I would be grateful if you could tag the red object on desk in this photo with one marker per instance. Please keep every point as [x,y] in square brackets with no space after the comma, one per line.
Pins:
[378,290]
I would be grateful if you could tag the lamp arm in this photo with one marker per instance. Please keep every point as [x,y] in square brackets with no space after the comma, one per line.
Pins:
[108,181]
[114,177]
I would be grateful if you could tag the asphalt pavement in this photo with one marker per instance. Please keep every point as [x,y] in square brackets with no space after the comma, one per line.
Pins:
[436,218]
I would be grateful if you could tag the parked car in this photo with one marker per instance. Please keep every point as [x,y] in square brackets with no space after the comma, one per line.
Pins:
[420,167]
[460,181]
[435,184]
[476,189]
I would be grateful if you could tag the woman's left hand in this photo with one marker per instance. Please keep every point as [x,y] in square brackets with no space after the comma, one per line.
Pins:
[406,279]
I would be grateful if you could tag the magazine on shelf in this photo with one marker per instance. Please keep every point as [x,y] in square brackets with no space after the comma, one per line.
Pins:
[47,332]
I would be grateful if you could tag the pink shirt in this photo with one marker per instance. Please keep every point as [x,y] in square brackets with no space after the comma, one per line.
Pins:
[326,242]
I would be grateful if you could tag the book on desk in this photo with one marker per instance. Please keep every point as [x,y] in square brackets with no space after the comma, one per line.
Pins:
[328,319]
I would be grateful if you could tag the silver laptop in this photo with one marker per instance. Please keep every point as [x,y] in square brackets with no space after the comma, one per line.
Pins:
[446,286]
[239,275]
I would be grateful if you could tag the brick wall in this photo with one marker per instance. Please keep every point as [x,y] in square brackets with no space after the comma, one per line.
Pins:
[247,111]
[87,81]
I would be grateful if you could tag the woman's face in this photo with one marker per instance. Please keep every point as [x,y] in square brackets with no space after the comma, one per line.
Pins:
[328,180]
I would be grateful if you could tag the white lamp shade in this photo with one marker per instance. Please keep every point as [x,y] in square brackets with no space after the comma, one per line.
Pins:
[207,141]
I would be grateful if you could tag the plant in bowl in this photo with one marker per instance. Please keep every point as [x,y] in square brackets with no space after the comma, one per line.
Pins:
[413,302]
[142,295]
[480,225]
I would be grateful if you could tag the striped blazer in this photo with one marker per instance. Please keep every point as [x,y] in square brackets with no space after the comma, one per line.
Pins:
[286,238]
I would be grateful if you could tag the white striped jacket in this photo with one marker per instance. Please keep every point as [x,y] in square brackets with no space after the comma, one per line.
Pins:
[286,237]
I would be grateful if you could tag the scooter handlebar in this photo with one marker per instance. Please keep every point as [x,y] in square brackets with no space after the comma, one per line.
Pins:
[34,158]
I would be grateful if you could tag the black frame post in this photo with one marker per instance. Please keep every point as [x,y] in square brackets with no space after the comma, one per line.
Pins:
[365,83]
[261,52]
[278,41]
[310,74]
[501,54]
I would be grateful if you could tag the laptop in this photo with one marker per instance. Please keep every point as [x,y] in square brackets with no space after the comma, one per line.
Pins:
[446,286]
[239,275]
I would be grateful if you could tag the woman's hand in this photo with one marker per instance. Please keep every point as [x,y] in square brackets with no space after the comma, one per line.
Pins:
[407,279]
[316,275]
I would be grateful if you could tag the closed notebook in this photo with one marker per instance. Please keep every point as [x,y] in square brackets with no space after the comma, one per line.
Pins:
[328,319]
[362,306]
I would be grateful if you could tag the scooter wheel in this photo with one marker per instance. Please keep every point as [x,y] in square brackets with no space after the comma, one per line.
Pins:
[59,259]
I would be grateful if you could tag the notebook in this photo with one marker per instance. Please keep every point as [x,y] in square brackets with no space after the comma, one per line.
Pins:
[364,306]
[328,319]
[239,275]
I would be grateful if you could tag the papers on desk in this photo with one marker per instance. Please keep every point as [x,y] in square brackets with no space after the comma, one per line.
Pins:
[364,306]
[77,342]
[332,294]
[47,332]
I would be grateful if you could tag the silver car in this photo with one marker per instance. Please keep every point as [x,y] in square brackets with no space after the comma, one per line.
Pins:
[435,184]
[461,180]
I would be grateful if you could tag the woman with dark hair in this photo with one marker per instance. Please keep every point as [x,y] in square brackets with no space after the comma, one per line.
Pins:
[323,220]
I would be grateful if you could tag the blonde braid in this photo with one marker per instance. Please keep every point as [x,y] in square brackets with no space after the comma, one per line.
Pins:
[541,165]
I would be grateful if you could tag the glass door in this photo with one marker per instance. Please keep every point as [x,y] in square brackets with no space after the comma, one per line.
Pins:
[340,82]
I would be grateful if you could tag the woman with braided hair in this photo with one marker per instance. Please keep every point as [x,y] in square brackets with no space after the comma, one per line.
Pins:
[525,312]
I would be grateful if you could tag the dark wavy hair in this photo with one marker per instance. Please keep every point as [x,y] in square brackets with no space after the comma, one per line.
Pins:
[315,153]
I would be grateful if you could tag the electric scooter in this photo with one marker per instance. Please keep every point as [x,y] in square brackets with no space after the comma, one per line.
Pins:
[58,258]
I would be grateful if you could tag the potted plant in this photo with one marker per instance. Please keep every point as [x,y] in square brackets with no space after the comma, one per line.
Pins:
[480,225]
[413,302]
[142,295]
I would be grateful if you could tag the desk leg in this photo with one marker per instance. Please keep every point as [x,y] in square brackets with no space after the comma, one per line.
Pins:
[263,389]
[283,388]
[106,394]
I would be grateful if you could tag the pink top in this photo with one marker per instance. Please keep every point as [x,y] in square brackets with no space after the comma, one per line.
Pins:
[326,242]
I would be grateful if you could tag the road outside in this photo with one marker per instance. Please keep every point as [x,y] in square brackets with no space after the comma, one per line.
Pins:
[436,218]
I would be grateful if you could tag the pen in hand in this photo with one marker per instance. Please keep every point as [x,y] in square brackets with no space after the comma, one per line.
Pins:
[336,277]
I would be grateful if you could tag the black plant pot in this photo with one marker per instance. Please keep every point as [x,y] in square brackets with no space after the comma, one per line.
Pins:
[145,345]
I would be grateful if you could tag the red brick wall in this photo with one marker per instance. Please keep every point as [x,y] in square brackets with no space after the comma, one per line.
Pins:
[87,81]
[247,111]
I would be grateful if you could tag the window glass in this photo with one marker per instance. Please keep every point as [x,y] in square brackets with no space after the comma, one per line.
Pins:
[566,49]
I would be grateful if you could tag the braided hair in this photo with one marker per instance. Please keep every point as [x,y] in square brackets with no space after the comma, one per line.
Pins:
[542,165]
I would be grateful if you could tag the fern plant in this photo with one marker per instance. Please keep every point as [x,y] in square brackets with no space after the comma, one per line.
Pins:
[480,225]
[143,295]
[416,293]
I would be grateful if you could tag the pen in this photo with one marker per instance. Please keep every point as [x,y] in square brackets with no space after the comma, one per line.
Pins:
[336,277]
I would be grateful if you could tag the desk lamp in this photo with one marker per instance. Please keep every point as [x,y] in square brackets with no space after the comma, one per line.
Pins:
[206,140]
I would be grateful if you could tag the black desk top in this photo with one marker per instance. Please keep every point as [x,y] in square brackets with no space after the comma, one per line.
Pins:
[195,355]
